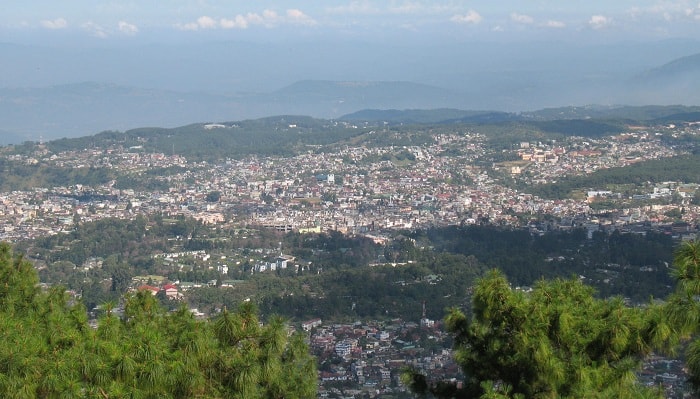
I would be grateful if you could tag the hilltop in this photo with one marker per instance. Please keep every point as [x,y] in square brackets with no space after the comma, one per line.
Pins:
[288,135]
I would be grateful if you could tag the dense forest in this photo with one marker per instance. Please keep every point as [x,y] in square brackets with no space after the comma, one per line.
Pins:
[281,135]
[15,175]
[344,277]
[679,168]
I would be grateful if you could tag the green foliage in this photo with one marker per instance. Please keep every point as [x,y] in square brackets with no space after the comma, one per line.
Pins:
[581,127]
[557,341]
[526,258]
[281,136]
[15,175]
[679,168]
[431,116]
[657,113]
[149,180]
[683,305]
[48,350]
[213,196]
[377,292]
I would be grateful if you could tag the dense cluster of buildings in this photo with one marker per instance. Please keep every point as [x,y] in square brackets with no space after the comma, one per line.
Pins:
[354,190]
[367,359]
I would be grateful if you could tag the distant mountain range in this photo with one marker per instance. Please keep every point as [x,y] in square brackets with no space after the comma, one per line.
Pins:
[678,68]
[86,108]
[80,109]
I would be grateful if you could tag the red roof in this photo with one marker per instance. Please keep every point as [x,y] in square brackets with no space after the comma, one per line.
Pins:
[149,288]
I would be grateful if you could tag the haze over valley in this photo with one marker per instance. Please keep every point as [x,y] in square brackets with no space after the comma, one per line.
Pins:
[70,75]
[116,88]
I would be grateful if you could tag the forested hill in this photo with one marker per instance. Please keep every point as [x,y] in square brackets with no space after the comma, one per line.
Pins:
[290,135]
[280,135]
[648,113]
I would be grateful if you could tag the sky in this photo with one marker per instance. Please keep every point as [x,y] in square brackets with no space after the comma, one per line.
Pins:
[397,20]
[68,66]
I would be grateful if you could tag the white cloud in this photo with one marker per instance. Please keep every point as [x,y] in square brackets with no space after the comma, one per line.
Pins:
[58,23]
[238,22]
[471,17]
[599,22]
[267,18]
[667,10]
[95,29]
[555,24]
[127,28]
[522,19]
[270,18]
[297,17]
[205,22]
[254,19]
[241,21]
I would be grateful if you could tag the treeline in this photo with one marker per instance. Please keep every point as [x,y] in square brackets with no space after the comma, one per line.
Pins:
[680,168]
[440,265]
[334,278]
[21,176]
[280,136]
[380,292]
[125,248]
[640,261]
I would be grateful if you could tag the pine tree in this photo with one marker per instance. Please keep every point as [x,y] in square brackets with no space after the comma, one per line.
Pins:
[48,350]
[557,341]
[684,303]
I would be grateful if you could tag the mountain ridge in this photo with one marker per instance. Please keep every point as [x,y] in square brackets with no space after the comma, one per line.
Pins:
[81,108]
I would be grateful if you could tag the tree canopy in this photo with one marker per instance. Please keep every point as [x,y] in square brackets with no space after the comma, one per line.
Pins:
[557,341]
[49,350]
[683,304]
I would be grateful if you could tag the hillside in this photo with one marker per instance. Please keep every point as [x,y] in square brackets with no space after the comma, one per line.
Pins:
[673,82]
[643,113]
[689,65]
[290,134]
[281,135]
[418,116]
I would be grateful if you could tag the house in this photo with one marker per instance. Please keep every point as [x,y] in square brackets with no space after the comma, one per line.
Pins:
[308,325]
[153,290]
[171,291]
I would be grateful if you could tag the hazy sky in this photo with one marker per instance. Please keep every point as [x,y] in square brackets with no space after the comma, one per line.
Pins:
[384,20]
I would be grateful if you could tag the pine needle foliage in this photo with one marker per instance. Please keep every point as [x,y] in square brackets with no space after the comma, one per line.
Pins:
[48,350]
[557,341]
[684,304]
